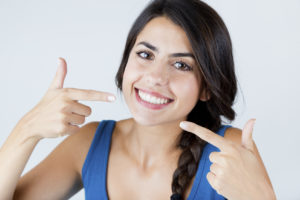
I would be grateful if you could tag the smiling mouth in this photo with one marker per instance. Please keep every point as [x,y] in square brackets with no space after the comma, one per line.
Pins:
[151,100]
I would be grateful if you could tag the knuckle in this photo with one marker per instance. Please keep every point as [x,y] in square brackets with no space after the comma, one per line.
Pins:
[82,121]
[64,91]
[85,110]
[210,178]
[212,156]
[67,90]
[88,111]
[217,170]
[64,105]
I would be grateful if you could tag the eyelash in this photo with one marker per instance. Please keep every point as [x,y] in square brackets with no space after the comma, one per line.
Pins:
[186,66]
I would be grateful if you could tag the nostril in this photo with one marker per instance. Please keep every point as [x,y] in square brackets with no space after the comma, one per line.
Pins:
[157,79]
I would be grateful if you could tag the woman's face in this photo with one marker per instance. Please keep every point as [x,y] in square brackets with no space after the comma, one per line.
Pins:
[161,80]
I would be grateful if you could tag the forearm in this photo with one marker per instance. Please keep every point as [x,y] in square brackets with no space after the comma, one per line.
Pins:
[14,155]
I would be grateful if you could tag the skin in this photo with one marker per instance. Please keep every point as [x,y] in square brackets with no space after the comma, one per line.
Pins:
[144,144]
[157,73]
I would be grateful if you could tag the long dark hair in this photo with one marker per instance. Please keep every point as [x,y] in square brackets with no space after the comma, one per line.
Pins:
[212,48]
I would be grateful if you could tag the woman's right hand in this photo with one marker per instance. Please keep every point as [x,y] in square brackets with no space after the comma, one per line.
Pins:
[59,112]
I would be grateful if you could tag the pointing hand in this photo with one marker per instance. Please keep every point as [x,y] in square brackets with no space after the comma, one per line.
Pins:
[235,172]
[59,112]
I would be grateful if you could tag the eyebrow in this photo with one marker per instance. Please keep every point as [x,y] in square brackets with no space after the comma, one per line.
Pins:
[153,48]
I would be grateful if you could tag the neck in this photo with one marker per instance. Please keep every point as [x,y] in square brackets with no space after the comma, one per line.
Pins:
[151,144]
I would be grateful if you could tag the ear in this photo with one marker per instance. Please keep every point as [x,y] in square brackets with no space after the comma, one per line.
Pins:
[204,95]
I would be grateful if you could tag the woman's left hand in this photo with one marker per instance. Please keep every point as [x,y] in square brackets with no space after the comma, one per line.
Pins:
[236,172]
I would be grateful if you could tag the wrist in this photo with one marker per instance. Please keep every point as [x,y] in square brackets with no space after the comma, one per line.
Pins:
[23,134]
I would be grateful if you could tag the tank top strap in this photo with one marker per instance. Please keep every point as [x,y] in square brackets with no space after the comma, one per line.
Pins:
[94,169]
[201,189]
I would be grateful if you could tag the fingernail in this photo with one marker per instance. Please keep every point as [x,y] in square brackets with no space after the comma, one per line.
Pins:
[111,98]
[183,125]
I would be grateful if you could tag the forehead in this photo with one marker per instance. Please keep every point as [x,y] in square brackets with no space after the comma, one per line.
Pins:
[166,35]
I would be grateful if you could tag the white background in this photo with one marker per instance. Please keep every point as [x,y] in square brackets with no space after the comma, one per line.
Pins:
[91,35]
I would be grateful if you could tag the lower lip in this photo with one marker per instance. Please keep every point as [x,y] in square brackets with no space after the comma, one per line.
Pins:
[149,105]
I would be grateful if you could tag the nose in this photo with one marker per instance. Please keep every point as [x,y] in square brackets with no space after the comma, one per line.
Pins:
[158,75]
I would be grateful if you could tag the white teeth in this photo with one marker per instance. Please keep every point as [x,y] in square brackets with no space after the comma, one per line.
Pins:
[152,99]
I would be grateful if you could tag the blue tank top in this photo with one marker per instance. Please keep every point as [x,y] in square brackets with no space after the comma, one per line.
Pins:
[94,169]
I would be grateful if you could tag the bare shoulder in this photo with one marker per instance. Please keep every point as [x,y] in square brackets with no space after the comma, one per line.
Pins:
[85,134]
[60,172]
[80,143]
[75,147]
[233,134]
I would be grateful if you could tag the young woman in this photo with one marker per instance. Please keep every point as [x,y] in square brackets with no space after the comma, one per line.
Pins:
[177,77]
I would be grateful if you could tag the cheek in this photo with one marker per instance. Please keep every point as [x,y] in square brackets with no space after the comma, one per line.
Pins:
[187,90]
[131,74]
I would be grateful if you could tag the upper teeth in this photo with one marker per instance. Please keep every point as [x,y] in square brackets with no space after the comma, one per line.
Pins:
[151,99]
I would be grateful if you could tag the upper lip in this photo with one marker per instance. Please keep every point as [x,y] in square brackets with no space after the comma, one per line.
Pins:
[156,94]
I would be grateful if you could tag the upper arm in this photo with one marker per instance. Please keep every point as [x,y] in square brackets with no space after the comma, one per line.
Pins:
[58,176]
[235,135]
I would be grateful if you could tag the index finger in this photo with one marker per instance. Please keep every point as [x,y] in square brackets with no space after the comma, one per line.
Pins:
[89,95]
[205,134]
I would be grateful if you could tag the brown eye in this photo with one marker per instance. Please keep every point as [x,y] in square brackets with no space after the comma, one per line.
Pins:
[182,66]
[144,55]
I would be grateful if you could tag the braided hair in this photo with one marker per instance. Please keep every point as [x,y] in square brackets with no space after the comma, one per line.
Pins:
[212,48]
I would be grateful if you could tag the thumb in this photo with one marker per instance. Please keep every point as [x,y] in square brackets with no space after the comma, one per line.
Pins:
[61,72]
[247,140]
